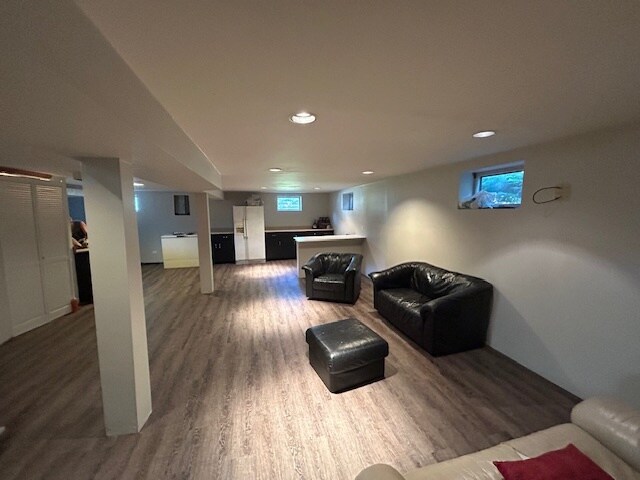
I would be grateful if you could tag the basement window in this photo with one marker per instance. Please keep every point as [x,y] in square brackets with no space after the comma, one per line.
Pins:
[498,186]
[347,201]
[289,203]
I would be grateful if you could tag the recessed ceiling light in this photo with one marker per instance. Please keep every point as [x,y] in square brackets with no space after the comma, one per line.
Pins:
[484,134]
[368,172]
[138,184]
[275,169]
[263,188]
[316,188]
[302,118]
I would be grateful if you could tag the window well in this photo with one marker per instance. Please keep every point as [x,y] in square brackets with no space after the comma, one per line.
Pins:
[498,186]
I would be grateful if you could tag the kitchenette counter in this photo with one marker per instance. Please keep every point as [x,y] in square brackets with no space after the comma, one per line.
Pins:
[307,247]
[181,235]
[297,230]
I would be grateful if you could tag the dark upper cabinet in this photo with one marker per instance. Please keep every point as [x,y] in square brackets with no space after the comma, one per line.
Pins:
[223,248]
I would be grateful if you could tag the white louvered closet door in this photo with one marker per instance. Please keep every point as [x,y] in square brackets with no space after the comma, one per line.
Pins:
[52,225]
[21,258]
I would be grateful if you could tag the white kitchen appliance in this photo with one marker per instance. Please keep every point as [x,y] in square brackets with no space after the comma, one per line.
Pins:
[248,233]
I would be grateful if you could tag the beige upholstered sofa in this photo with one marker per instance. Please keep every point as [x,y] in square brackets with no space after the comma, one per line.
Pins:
[606,430]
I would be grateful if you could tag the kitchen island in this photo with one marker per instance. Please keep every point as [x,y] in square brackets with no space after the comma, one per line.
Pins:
[307,247]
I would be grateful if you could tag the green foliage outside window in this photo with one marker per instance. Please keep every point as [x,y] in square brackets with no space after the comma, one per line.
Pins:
[506,188]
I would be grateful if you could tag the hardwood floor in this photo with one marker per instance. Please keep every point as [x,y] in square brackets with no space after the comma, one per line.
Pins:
[234,396]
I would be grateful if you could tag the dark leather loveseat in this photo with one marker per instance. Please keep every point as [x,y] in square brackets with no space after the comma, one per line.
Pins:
[334,277]
[444,312]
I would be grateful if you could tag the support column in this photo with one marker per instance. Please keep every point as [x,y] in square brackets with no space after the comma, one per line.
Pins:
[201,206]
[116,276]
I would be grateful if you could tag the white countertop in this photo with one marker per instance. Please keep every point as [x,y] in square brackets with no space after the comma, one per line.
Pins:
[195,235]
[293,230]
[330,238]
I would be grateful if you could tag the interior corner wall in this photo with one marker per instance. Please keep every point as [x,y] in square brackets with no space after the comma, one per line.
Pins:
[566,274]
[156,217]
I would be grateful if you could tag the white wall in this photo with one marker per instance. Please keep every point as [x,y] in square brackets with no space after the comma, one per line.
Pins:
[566,274]
[221,214]
[314,205]
[156,218]
[5,320]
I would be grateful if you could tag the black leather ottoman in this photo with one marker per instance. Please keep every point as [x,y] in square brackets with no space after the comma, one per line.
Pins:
[346,354]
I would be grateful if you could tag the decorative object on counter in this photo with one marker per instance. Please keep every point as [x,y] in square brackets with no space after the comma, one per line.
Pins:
[254,201]
[322,222]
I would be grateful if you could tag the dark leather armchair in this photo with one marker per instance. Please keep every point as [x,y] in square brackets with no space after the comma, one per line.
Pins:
[444,312]
[334,277]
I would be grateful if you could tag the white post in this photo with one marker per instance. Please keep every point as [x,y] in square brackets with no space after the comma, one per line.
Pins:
[201,206]
[116,276]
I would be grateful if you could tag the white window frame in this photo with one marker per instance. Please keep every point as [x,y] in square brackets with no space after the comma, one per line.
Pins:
[288,196]
[478,175]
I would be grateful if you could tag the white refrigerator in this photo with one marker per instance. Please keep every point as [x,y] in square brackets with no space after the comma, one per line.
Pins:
[248,233]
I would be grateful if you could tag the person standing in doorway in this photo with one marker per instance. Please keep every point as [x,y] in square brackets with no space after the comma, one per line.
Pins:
[79,234]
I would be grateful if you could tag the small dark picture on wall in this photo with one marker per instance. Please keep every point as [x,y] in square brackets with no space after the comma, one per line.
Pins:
[347,201]
[181,205]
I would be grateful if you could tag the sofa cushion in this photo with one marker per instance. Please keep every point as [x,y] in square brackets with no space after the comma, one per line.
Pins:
[559,436]
[329,282]
[436,282]
[568,463]
[475,466]
[336,262]
[401,306]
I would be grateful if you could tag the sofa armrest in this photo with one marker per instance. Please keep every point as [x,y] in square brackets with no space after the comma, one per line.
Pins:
[379,471]
[313,267]
[458,321]
[614,424]
[394,277]
[354,265]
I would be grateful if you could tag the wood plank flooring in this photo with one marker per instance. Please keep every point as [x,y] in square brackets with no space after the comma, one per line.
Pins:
[234,396]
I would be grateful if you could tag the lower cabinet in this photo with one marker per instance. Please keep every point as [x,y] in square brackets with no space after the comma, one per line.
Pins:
[282,246]
[223,248]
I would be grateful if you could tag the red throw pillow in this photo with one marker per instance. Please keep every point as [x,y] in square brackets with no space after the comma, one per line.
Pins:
[565,464]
